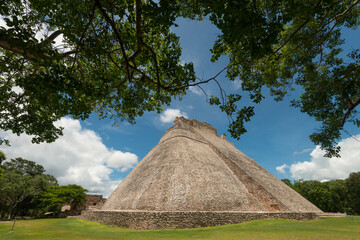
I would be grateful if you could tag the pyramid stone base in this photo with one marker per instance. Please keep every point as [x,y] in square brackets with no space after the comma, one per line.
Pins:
[189,219]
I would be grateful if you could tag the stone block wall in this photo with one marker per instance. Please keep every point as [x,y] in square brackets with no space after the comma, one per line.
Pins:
[94,201]
[159,220]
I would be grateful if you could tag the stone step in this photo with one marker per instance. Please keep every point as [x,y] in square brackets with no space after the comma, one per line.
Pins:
[331,215]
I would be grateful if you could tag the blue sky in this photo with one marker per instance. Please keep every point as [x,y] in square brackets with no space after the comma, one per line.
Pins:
[98,156]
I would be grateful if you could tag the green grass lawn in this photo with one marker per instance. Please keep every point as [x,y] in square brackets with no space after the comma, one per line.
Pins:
[74,228]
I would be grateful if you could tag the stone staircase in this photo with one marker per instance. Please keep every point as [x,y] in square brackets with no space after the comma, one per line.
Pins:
[330,215]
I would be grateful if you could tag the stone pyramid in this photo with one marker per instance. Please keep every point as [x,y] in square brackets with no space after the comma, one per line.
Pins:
[194,169]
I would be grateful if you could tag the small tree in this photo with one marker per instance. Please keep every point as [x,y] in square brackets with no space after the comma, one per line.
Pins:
[56,196]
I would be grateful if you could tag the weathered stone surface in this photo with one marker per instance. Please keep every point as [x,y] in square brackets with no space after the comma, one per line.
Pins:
[94,201]
[193,169]
[195,178]
[157,220]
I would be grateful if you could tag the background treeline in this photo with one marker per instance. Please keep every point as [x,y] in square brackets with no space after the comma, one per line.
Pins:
[25,190]
[331,196]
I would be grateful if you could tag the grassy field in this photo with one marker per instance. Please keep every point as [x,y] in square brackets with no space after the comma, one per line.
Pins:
[74,228]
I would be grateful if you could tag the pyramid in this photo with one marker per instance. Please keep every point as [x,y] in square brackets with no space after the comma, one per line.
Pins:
[192,169]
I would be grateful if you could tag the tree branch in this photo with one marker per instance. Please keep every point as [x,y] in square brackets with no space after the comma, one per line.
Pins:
[14,46]
[112,24]
[30,52]
[139,35]
[335,19]
[78,46]
[117,65]
[289,38]
[293,34]
[168,89]
[51,38]
[353,105]
[67,54]
[326,24]
[155,62]
[205,81]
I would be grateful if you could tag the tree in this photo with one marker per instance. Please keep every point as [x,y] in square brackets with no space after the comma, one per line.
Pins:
[121,59]
[337,199]
[16,188]
[331,196]
[23,167]
[2,157]
[353,192]
[2,207]
[302,50]
[287,182]
[121,62]
[20,182]
[25,189]
[56,196]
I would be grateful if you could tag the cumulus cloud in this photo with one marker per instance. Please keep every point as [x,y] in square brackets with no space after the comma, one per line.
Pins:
[77,157]
[282,168]
[321,168]
[169,115]
[123,161]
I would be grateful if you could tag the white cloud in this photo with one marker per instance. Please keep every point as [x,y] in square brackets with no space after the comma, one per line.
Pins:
[77,157]
[17,89]
[3,23]
[195,90]
[237,84]
[281,169]
[58,42]
[121,160]
[321,168]
[169,115]
[303,151]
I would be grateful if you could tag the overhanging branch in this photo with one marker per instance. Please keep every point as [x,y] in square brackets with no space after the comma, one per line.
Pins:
[139,33]
[353,105]
[51,38]
[31,51]
[112,24]
[15,46]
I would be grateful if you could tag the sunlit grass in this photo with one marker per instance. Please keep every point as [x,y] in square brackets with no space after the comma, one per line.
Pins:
[74,228]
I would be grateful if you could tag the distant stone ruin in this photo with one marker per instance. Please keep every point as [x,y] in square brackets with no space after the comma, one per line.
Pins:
[195,178]
[92,202]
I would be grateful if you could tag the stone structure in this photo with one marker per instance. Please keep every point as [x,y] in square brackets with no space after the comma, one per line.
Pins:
[94,201]
[157,220]
[195,178]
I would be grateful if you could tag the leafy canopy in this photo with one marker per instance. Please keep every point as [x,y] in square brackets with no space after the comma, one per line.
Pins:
[21,181]
[331,196]
[121,59]
[56,196]
[25,189]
